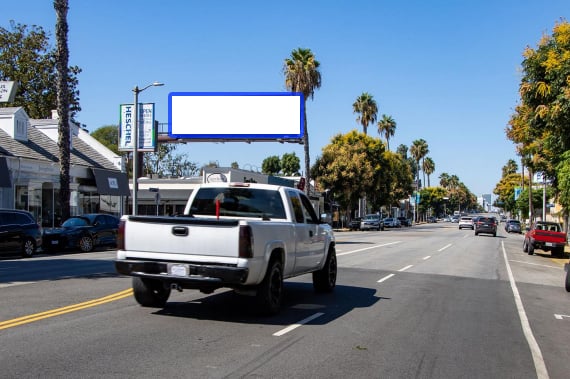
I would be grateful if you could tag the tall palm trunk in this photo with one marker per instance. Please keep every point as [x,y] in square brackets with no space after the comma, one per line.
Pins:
[306,149]
[61,29]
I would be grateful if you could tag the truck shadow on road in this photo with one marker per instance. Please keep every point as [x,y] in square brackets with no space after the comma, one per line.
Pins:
[299,302]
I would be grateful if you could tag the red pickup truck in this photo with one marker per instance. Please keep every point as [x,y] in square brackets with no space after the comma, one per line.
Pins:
[547,236]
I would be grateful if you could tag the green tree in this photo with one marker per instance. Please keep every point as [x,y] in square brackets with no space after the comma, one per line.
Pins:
[63,109]
[348,167]
[271,165]
[367,110]
[108,135]
[26,57]
[387,128]
[428,168]
[418,151]
[505,191]
[432,200]
[302,75]
[510,168]
[290,164]
[234,165]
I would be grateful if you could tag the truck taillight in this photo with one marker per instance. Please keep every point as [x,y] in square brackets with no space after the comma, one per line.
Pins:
[121,236]
[245,242]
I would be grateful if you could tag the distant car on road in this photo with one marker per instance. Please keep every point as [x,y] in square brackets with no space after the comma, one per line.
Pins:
[392,222]
[405,221]
[84,232]
[486,225]
[371,221]
[431,219]
[19,232]
[355,223]
[513,226]
[466,222]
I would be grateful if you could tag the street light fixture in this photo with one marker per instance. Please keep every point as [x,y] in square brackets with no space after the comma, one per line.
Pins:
[136,91]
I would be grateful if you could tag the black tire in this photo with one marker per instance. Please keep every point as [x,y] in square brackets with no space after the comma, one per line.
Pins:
[28,248]
[324,280]
[558,252]
[525,247]
[476,233]
[494,234]
[568,280]
[270,290]
[150,293]
[85,244]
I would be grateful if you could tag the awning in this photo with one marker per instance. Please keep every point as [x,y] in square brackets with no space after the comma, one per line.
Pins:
[5,180]
[111,182]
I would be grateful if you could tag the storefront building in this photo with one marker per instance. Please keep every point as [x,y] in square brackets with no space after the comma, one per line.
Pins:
[29,169]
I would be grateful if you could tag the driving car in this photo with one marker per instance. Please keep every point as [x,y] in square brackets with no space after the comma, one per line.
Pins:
[372,221]
[486,225]
[466,222]
[19,232]
[513,226]
[84,232]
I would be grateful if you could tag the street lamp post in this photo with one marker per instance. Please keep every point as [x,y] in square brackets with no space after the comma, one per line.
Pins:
[136,91]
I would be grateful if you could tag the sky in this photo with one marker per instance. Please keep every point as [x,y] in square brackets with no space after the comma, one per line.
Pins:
[445,71]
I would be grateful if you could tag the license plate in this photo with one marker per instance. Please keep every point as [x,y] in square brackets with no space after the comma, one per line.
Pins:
[178,269]
[549,244]
[54,242]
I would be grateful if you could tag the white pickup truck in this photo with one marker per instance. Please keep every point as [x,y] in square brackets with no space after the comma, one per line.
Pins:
[244,236]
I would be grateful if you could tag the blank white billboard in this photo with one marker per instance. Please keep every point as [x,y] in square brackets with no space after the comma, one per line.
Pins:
[235,115]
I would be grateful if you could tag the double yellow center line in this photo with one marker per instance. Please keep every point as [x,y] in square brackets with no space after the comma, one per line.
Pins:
[60,311]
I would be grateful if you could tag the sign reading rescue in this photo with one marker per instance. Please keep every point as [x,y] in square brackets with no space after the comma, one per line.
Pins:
[147,128]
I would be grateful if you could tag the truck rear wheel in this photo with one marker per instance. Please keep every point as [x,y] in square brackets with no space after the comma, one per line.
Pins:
[568,280]
[324,280]
[270,290]
[558,252]
[530,248]
[150,293]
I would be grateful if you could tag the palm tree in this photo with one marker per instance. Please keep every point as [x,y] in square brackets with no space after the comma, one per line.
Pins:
[444,180]
[387,127]
[419,150]
[367,110]
[302,75]
[510,168]
[63,96]
[428,168]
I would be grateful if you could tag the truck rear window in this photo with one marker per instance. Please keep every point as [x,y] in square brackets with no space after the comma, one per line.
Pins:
[239,202]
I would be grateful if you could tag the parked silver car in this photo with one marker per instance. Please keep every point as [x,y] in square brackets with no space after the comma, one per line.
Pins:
[372,221]
[513,226]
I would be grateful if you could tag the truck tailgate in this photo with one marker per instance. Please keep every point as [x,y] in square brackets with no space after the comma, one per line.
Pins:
[182,235]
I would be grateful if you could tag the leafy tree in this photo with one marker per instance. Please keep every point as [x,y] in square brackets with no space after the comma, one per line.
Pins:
[432,200]
[367,110]
[26,57]
[234,165]
[348,166]
[63,109]
[505,190]
[387,127]
[290,164]
[563,172]
[302,74]
[523,205]
[510,168]
[108,135]
[428,168]
[271,165]
[402,150]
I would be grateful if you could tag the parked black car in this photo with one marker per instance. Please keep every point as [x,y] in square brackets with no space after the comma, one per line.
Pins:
[355,223]
[84,232]
[19,232]
[405,221]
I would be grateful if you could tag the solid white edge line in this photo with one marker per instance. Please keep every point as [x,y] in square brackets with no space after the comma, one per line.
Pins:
[385,278]
[539,365]
[445,247]
[368,248]
[536,264]
[295,326]
[426,257]
[405,268]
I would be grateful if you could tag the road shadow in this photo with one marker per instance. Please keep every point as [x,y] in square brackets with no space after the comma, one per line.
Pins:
[299,301]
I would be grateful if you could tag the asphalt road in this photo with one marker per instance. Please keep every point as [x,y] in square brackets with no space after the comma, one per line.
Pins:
[429,301]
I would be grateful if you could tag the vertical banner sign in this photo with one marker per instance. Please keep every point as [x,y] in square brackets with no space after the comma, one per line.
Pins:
[147,128]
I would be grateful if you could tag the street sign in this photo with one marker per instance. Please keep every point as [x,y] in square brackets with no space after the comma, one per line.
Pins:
[8,91]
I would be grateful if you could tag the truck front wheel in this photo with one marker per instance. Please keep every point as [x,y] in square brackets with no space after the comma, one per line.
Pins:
[568,280]
[530,248]
[324,280]
[150,293]
[270,290]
